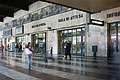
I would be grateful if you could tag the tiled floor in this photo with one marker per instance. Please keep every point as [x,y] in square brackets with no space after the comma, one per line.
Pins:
[14,67]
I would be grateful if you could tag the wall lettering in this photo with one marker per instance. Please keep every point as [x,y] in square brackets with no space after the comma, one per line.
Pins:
[39,25]
[71,18]
[115,14]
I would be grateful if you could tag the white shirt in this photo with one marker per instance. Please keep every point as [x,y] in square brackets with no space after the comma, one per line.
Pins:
[27,51]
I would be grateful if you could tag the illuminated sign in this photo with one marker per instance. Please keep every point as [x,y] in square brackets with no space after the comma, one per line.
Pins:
[97,22]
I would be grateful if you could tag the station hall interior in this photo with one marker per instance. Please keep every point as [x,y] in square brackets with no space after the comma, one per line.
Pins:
[66,39]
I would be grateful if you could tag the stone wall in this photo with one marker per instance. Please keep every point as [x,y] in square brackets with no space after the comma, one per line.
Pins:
[37,5]
[52,41]
[98,34]
[20,13]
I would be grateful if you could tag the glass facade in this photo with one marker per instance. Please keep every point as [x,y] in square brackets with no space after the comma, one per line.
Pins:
[77,38]
[21,41]
[38,42]
[115,37]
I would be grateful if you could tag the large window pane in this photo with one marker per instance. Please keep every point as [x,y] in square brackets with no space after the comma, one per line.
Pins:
[74,32]
[69,32]
[74,44]
[78,44]
[78,31]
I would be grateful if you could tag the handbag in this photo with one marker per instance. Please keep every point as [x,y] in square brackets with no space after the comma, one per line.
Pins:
[27,51]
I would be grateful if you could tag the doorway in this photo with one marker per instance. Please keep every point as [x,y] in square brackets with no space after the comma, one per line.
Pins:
[39,42]
[114,38]
[77,39]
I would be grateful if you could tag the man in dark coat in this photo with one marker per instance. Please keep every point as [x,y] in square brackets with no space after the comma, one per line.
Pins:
[67,50]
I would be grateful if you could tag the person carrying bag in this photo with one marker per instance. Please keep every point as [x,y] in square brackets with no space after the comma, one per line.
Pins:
[28,52]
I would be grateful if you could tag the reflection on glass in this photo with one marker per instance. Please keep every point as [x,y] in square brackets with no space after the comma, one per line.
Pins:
[84,39]
[83,45]
[39,41]
[78,31]
[69,32]
[78,44]
[119,37]
[74,44]
[77,38]
[65,33]
[113,29]
[113,36]
[74,31]
[83,29]
[70,38]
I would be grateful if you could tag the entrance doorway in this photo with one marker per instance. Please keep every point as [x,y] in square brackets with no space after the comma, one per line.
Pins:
[114,37]
[39,42]
[77,38]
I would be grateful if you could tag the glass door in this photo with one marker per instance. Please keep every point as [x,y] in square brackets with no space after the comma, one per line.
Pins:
[118,37]
[77,39]
[81,41]
[39,41]
[114,37]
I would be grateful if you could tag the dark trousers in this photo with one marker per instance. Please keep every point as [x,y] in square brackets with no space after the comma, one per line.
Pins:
[67,55]
[2,50]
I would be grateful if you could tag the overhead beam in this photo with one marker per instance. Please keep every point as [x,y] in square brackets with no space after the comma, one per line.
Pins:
[5,13]
[1,19]
[15,4]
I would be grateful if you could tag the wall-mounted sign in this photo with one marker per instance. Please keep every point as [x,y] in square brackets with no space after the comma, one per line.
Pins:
[19,30]
[7,32]
[71,18]
[39,25]
[96,22]
[114,14]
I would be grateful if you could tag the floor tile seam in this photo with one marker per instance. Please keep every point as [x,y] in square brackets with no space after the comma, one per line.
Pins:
[13,74]
[46,70]
[86,63]
[77,68]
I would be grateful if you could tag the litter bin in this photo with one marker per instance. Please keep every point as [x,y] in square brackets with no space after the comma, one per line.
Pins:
[94,50]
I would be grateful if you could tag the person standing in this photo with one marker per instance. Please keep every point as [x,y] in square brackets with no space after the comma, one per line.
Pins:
[28,51]
[8,47]
[67,50]
[20,48]
[2,48]
[17,48]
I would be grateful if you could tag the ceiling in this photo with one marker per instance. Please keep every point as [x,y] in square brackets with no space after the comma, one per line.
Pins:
[8,7]
[91,6]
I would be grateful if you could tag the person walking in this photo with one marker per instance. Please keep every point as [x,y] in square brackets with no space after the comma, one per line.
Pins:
[28,51]
[67,50]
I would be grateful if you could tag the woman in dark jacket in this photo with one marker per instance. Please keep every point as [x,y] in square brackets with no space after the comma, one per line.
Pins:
[67,50]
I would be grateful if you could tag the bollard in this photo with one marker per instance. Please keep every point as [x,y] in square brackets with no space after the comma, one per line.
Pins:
[45,56]
[51,51]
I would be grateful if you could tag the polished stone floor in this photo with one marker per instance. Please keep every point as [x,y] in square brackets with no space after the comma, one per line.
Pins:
[14,67]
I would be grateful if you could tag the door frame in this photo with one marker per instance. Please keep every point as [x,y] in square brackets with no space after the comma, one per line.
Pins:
[72,40]
[109,37]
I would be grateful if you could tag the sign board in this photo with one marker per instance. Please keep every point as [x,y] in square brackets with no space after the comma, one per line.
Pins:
[96,22]
[19,30]
[7,32]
